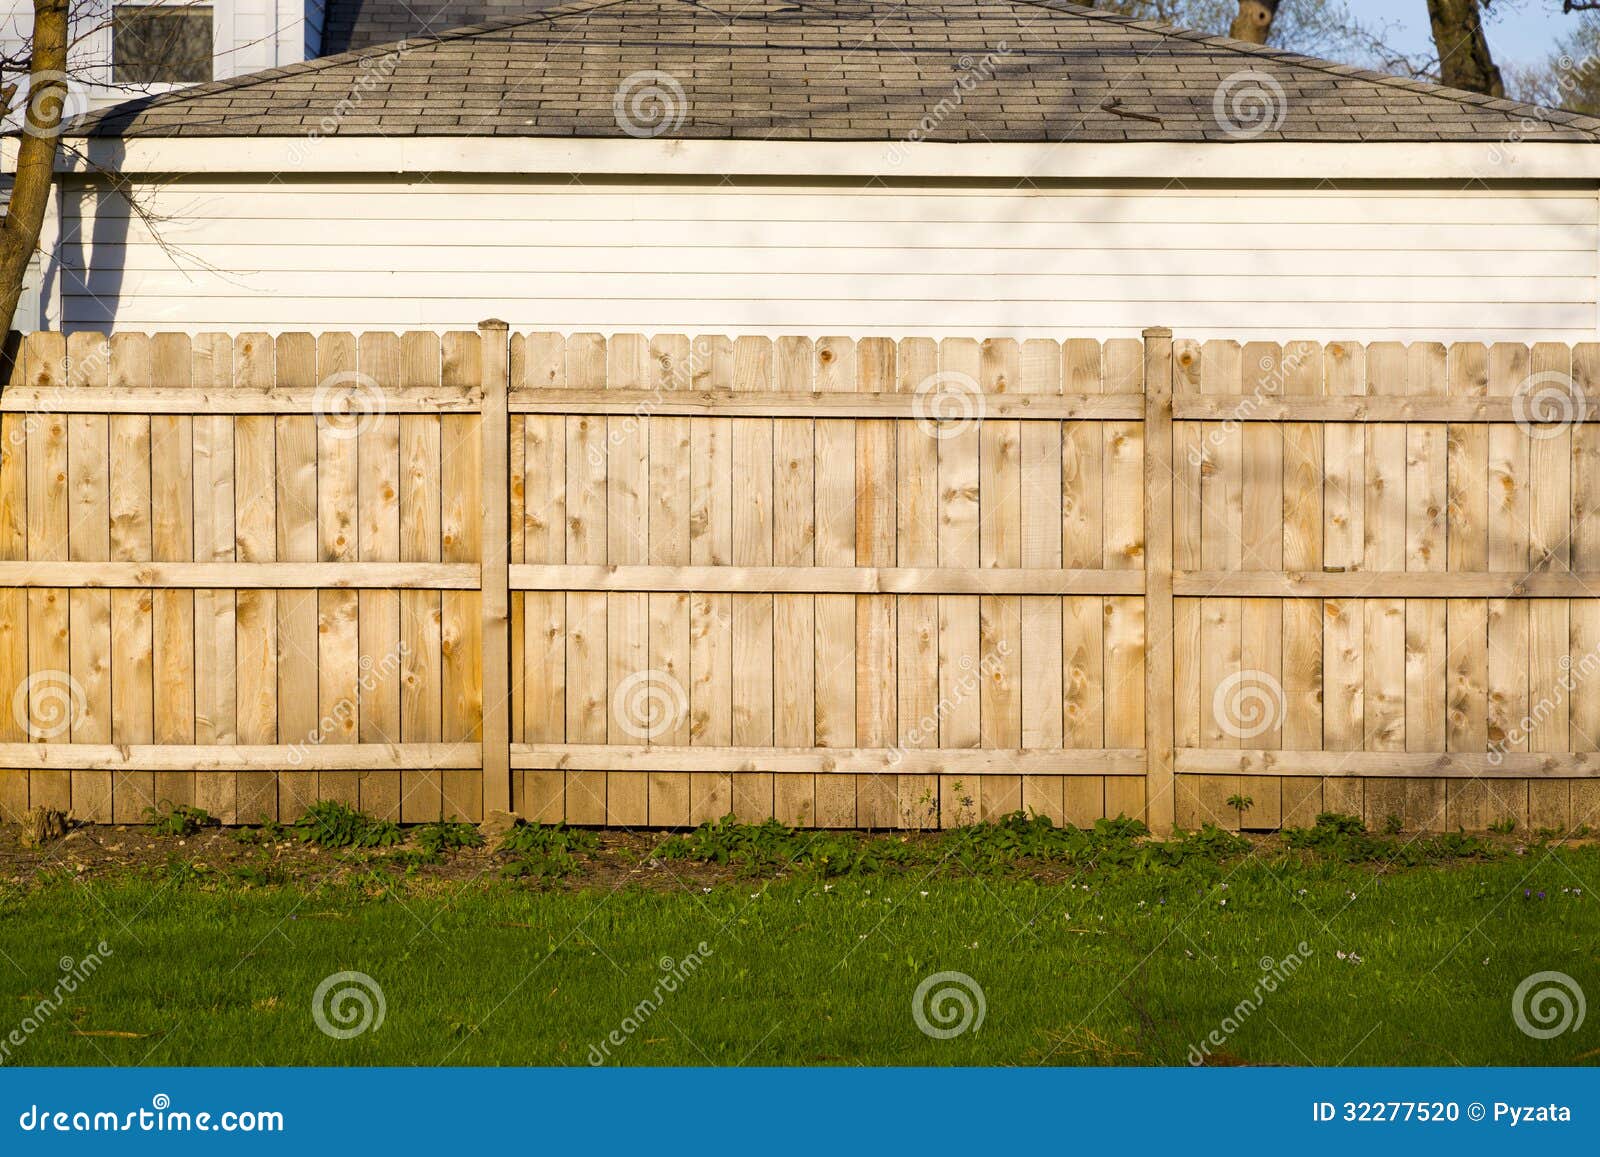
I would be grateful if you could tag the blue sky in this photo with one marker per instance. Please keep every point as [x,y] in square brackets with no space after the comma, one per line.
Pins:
[1520,35]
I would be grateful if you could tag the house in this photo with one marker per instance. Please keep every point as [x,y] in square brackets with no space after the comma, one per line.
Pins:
[993,168]
[123,48]
[126,48]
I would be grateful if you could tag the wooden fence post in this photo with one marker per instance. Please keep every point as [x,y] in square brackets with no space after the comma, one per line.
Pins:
[494,559]
[1160,800]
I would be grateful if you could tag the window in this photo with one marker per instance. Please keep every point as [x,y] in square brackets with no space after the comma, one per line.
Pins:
[160,44]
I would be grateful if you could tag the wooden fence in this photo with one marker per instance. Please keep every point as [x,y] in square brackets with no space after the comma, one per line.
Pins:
[638,581]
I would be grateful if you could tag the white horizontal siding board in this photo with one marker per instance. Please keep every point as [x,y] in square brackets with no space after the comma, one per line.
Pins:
[1108,164]
[958,318]
[772,286]
[320,253]
[415,255]
[517,225]
[531,201]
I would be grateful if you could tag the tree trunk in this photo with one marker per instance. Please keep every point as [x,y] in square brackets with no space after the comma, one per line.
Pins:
[1254,21]
[36,152]
[1464,59]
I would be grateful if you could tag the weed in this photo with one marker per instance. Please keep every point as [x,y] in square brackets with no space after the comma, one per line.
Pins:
[1504,827]
[181,872]
[1344,838]
[1241,804]
[728,842]
[435,839]
[260,875]
[331,824]
[1392,825]
[557,838]
[550,863]
[267,831]
[178,820]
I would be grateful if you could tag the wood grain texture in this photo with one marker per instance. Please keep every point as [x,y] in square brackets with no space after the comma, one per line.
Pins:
[656,580]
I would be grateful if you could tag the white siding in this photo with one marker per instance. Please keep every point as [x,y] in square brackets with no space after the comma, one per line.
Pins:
[247,35]
[1362,264]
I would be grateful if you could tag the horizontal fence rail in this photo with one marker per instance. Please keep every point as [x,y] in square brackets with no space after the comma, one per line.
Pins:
[649,581]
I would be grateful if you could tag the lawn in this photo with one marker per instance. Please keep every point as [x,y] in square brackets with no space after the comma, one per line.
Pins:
[734,948]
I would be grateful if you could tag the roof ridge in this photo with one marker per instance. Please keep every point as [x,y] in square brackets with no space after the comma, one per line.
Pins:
[1347,71]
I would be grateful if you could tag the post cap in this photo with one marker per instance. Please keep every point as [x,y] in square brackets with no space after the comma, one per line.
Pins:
[493,323]
[1157,331]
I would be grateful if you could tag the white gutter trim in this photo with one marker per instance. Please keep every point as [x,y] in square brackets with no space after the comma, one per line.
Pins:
[1385,160]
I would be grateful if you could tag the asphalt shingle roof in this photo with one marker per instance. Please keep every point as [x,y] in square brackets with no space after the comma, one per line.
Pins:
[953,71]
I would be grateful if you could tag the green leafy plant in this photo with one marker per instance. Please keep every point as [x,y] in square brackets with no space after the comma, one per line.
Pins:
[435,839]
[177,820]
[1345,838]
[1241,804]
[260,875]
[541,864]
[266,831]
[1392,825]
[1504,827]
[331,824]
[526,837]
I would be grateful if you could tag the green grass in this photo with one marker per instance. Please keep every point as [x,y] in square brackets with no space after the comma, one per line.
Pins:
[1089,947]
